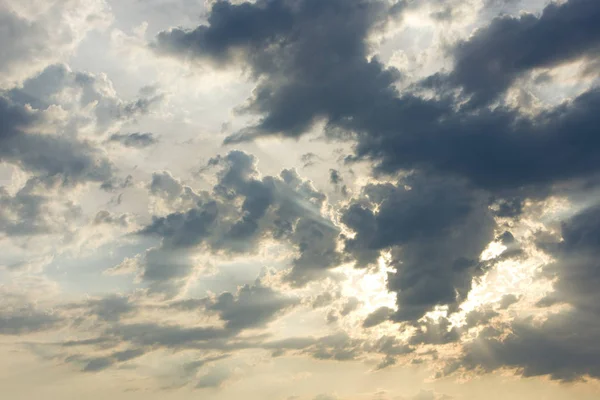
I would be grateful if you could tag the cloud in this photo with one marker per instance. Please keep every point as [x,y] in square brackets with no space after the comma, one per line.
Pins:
[377,317]
[436,229]
[496,55]
[46,120]
[20,315]
[122,334]
[508,300]
[106,217]
[48,155]
[134,140]
[564,345]
[314,54]
[102,363]
[32,211]
[252,307]
[37,33]
[110,308]
[213,378]
[462,167]
[334,177]
[90,99]
[242,210]
[325,74]
[311,63]
[24,321]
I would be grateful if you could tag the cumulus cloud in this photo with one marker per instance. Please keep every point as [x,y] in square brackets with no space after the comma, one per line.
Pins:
[498,149]
[464,168]
[476,156]
[564,345]
[242,210]
[314,54]
[436,229]
[50,156]
[496,55]
[45,121]
[91,100]
[38,33]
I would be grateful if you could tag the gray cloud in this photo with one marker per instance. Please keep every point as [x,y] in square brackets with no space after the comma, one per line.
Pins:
[252,307]
[508,300]
[75,91]
[29,320]
[19,315]
[377,317]
[135,140]
[334,177]
[313,52]
[314,56]
[285,208]
[102,363]
[111,308]
[436,229]
[564,346]
[325,74]
[26,212]
[435,332]
[106,217]
[45,154]
[31,41]
[489,62]
[59,155]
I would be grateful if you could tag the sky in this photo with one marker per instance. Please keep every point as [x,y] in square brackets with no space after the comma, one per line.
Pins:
[299,199]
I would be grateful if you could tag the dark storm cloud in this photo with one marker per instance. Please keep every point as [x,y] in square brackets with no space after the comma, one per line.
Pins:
[436,229]
[312,64]
[565,345]
[317,67]
[313,52]
[489,62]
[497,150]
[135,140]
